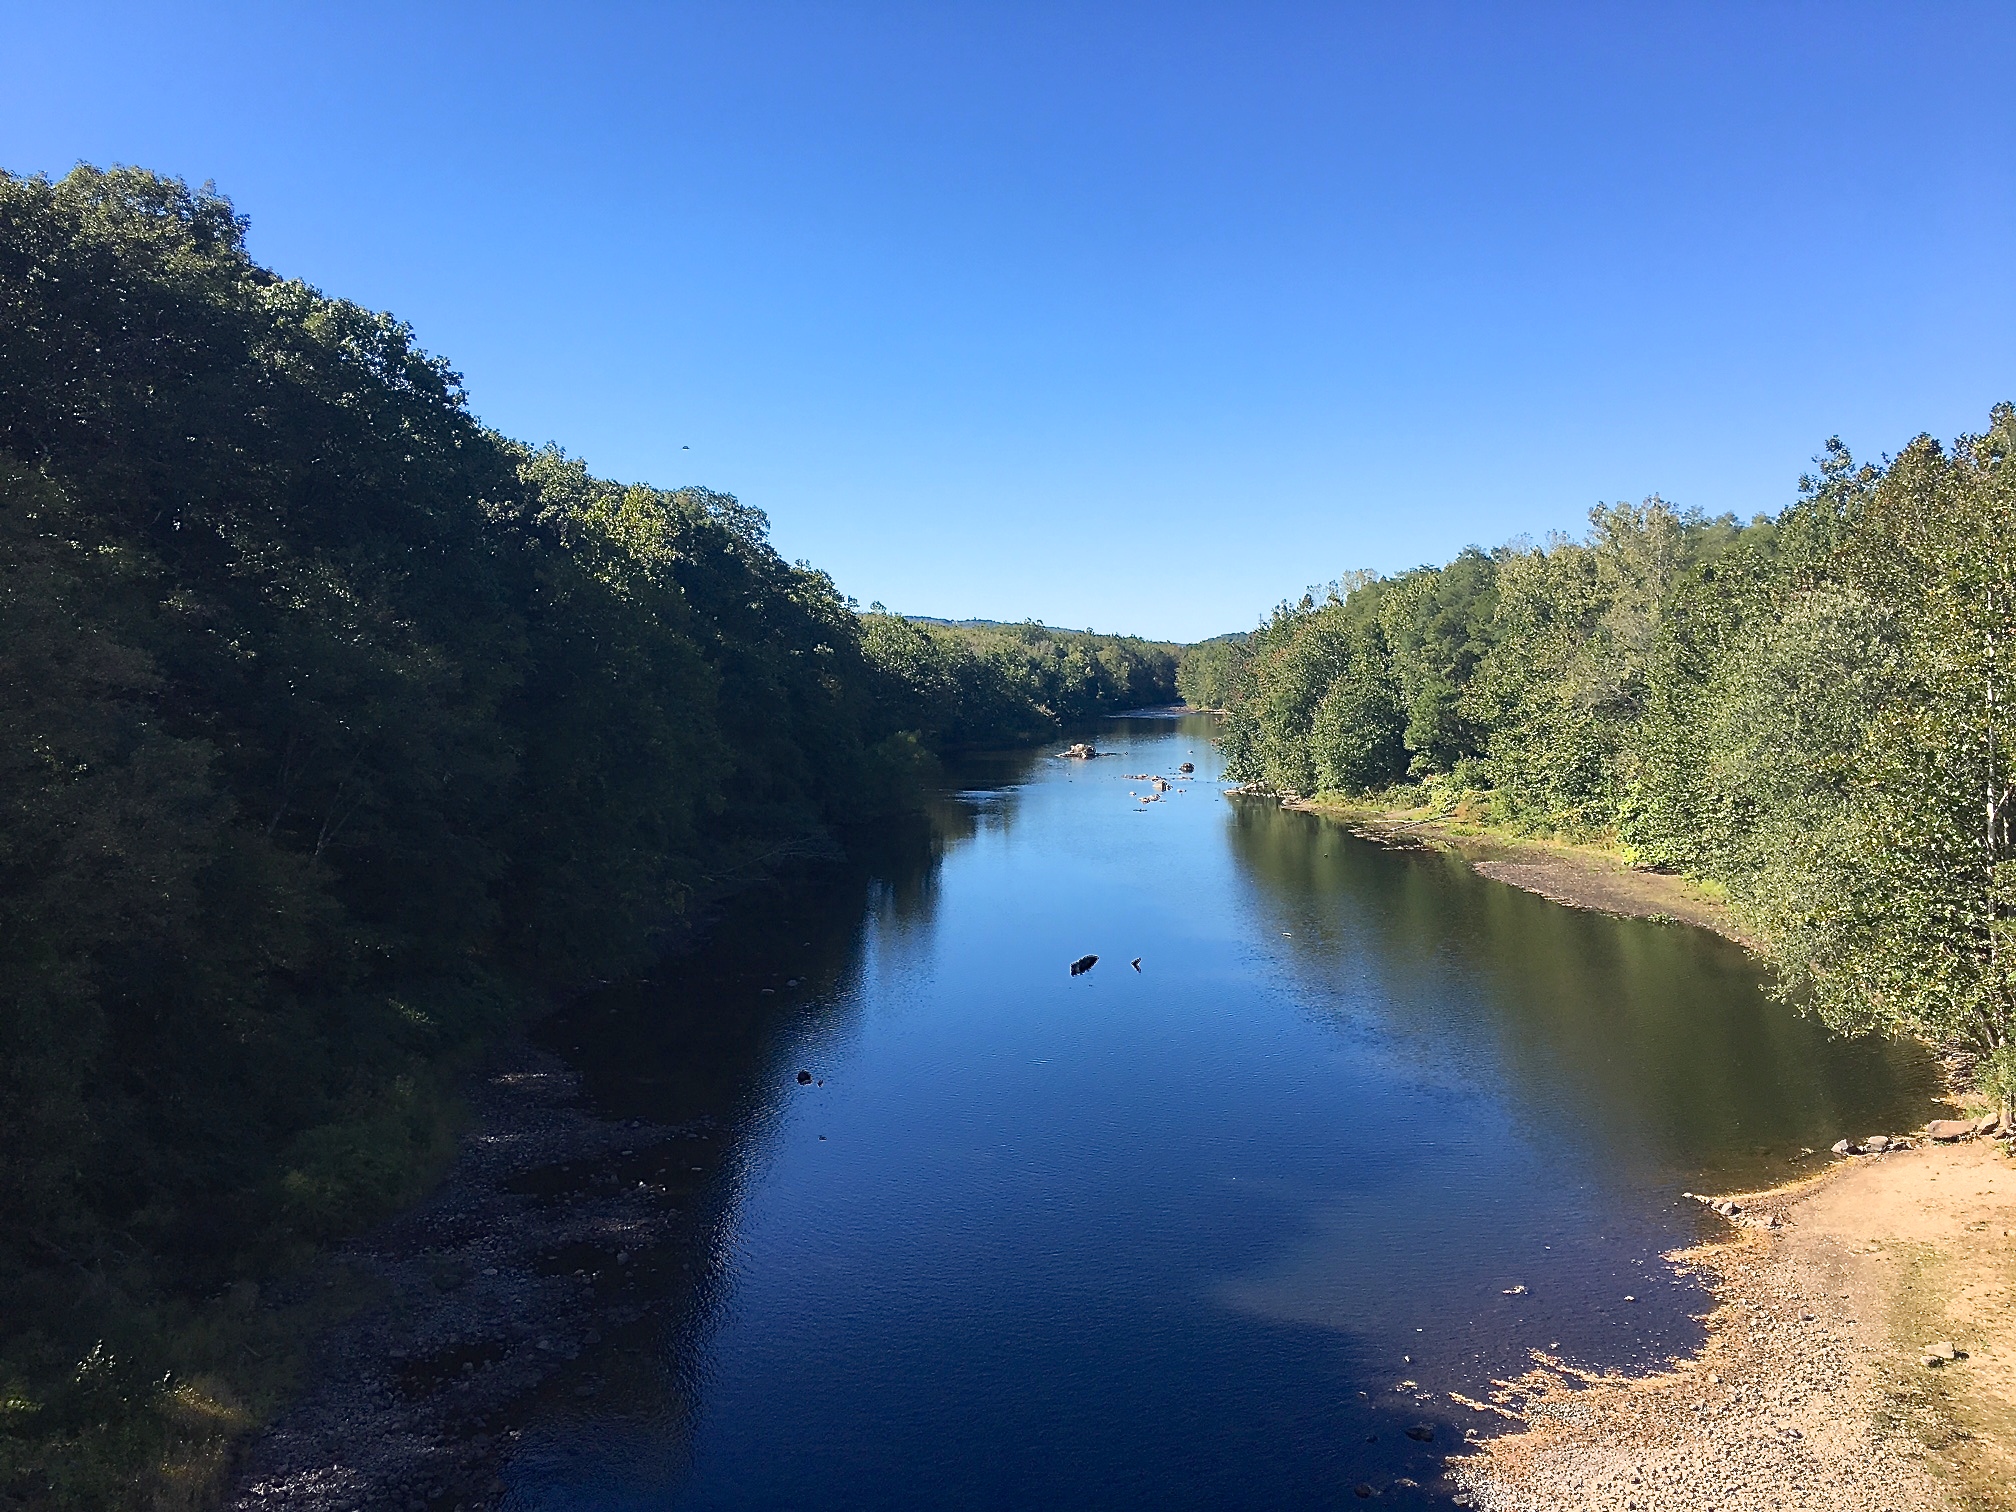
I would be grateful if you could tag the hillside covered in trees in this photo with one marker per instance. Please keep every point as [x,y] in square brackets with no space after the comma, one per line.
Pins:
[337,732]
[1812,711]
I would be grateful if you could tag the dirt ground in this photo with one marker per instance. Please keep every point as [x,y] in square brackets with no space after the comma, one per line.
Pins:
[1811,1392]
[1576,875]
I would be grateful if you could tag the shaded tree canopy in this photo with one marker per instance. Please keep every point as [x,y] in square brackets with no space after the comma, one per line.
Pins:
[336,730]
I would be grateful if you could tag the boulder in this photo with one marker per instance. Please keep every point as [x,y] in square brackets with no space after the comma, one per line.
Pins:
[1876,1143]
[1083,964]
[1942,1351]
[1842,1147]
[1988,1123]
[1187,767]
[1947,1129]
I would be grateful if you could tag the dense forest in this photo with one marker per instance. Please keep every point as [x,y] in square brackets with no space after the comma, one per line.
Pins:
[1814,712]
[338,732]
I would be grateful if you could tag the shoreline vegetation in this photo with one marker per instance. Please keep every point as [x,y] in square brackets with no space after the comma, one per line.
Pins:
[1813,1378]
[339,737]
[1811,714]
[1797,732]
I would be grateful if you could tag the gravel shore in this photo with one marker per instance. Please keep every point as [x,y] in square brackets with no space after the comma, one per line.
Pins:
[1811,1392]
[494,1295]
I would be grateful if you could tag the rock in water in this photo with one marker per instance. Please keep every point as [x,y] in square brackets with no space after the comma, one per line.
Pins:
[1877,1143]
[1842,1147]
[1188,766]
[1083,964]
[804,1078]
[1135,963]
[1950,1128]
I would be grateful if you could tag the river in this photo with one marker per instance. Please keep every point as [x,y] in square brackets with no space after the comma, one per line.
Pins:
[1363,1132]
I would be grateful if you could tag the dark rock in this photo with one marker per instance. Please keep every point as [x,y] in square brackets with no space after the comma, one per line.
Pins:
[1083,964]
[1422,1433]
[804,1078]
[1188,766]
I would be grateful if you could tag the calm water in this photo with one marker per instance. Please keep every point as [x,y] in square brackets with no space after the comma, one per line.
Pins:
[1171,1238]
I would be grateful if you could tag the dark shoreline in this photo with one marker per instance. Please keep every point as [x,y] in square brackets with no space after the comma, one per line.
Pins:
[415,1400]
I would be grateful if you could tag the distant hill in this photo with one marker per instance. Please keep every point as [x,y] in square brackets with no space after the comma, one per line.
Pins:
[989,624]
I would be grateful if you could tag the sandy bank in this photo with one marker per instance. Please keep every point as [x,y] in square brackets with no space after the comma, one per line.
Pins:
[1810,1392]
[1577,876]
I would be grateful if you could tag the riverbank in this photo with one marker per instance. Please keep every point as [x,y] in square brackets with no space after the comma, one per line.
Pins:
[1576,876]
[484,1301]
[1810,1391]
[1810,1382]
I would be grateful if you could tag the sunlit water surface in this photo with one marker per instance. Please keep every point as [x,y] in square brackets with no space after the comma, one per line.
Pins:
[1210,1234]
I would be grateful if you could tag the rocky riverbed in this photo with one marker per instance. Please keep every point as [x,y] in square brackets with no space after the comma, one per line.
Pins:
[1814,1390]
[522,1280]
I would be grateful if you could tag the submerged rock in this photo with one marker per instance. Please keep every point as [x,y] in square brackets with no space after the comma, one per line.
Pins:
[1083,964]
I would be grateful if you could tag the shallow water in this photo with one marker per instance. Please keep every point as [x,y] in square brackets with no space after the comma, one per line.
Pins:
[1177,1237]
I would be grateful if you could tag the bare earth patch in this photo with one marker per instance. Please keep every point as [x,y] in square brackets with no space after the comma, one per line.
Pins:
[1577,876]
[1810,1393]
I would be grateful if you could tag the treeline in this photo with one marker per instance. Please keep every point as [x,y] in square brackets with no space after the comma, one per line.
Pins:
[337,730]
[974,685]
[1812,711]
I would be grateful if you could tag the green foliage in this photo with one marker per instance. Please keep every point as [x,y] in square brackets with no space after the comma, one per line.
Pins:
[1209,671]
[336,731]
[963,686]
[1813,712]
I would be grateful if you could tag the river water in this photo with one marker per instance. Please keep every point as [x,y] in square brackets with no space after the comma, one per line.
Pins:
[1213,1233]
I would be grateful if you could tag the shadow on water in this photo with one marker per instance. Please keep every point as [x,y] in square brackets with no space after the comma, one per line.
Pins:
[1654,1043]
[700,1056]
[1364,1132]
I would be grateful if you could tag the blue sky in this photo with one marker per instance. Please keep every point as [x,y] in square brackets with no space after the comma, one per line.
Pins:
[1135,316]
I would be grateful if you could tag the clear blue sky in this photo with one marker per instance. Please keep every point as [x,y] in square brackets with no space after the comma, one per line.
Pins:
[1136,316]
